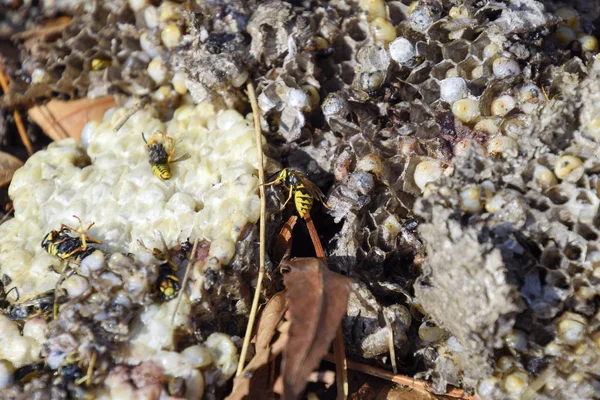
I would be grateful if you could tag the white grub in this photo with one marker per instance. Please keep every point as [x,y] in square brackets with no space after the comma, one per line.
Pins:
[158,71]
[470,199]
[490,50]
[370,163]
[75,285]
[515,383]
[505,363]
[502,105]
[501,144]
[374,8]
[199,356]
[488,125]
[430,332]
[544,177]
[224,353]
[571,328]
[427,171]
[565,165]
[486,387]
[383,30]
[466,110]
[171,35]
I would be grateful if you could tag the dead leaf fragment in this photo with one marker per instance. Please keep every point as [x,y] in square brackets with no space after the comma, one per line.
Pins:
[317,301]
[253,378]
[64,119]
[8,165]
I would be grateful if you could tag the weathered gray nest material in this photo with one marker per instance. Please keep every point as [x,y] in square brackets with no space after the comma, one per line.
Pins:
[107,33]
[483,279]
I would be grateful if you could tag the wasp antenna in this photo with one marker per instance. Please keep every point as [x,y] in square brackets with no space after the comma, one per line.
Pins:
[16,290]
[144,137]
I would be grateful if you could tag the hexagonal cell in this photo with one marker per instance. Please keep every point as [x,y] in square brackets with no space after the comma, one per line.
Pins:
[440,69]
[430,51]
[469,68]
[476,48]
[420,113]
[456,50]
[490,93]
[428,130]
[437,31]
[420,74]
[357,29]
[407,91]
[430,90]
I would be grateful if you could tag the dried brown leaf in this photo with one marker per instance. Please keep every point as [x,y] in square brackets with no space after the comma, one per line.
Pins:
[8,165]
[317,301]
[253,380]
[63,119]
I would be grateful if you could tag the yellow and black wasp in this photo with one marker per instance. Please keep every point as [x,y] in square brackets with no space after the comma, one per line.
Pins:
[69,248]
[42,304]
[303,190]
[160,148]
[167,284]
[100,64]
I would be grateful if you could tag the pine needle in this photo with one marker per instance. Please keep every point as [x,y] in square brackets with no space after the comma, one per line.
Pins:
[263,214]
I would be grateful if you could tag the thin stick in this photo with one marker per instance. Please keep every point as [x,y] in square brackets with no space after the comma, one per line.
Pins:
[185,279]
[263,221]
[416,384]
[341,365]
[129,114]
[17,116]
[5,217]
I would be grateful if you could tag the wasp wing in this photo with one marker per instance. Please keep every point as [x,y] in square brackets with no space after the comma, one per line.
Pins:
[184,157]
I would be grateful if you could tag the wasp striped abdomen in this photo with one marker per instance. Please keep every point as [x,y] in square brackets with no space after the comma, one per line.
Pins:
[163,171]
[303,200]
[302,189]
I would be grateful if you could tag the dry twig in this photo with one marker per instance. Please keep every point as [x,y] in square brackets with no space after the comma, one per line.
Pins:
[263,213]
[16,114]
[416,384]
[137,107]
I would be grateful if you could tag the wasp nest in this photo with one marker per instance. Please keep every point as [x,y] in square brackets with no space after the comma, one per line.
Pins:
[108,180]
[454,116]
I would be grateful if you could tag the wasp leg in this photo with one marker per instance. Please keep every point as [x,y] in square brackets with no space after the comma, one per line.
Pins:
[288,199]
[82,232]
[275,182]
[322,200]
